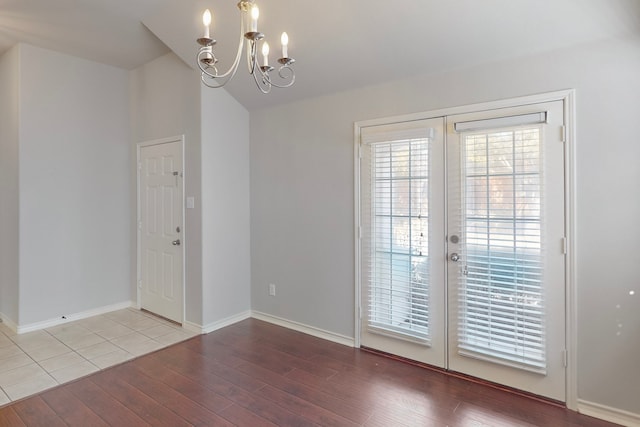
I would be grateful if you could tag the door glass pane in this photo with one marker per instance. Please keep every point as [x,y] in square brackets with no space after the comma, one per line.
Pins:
[501,309]
[398,286]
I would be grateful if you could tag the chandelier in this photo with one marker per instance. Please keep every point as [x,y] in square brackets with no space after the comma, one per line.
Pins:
[262,74]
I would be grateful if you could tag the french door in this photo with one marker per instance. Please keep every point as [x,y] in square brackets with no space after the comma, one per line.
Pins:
[403,264]
[462,244]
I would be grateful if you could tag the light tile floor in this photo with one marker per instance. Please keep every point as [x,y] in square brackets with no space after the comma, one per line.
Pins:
[36,361]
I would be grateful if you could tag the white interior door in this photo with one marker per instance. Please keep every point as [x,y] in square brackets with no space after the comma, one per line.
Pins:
[467,273]
[161,229]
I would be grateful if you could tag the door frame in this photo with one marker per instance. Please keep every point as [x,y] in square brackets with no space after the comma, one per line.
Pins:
[568,98]
[138,226]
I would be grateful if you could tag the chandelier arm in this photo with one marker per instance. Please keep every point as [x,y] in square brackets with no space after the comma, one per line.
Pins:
[211,82]
[282,73]
[263,84]
[236,61]
[285,73]
[260,77]
[251,56]
[205,67]
[230,73]
[205,81]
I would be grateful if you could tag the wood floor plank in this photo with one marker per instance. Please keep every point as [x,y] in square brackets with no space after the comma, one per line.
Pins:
[274,413]
[362,401]
[240,416]
[384,417]
[181,357]
[109,409]
[416,394]
[306,408]
[9,418]
[254,353]
[318,397]
[252,350]
[182,384]
[35,412]
[246,399]
[137,401]
[208,349]
[471,414]
[72,411]
[177,402]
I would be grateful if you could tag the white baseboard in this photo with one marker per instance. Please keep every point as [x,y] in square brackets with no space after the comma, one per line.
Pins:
[194,327]
[8,323]
[21,329]
[608,413]
[306,329]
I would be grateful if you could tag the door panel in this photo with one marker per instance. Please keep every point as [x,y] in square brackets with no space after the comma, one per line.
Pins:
[402,174]
[161,263]
[506,207]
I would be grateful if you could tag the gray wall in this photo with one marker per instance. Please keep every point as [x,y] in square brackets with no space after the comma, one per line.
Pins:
[165,102]
[9,198]
[74,185]
[226,268]
[167,99]
[302,211]
[302,231]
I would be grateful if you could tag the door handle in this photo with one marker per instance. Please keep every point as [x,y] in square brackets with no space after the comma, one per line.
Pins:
[176,242]
[455,257]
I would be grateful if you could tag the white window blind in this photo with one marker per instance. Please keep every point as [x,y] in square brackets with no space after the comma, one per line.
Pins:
[501,307]
[501,122]
[395,220]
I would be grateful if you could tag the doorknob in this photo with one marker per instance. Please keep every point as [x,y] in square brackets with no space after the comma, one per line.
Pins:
[176,242]
[455,257]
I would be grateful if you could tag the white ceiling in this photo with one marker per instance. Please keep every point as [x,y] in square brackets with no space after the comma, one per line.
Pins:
[338,44]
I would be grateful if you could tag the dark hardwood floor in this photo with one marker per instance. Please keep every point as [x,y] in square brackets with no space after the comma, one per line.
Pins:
[257,374]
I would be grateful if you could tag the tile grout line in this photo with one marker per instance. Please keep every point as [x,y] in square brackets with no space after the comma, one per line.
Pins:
[115,317]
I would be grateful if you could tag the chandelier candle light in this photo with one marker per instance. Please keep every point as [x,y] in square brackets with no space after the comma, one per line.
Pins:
[249,14]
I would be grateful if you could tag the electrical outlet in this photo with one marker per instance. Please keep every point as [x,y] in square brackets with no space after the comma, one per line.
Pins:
[272,289]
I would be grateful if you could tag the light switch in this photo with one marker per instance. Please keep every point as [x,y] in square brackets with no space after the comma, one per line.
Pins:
[191,202]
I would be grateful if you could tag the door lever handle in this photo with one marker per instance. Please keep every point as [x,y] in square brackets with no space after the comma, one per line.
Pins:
[176,242]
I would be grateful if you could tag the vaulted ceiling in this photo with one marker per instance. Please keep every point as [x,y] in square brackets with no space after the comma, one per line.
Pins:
[338,44]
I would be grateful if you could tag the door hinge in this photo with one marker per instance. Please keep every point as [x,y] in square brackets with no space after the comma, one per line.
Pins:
[139,225]
[139,283]
[563,133]
[139,166]
[360,232]
[564,245]
[359,312]
[565,358]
